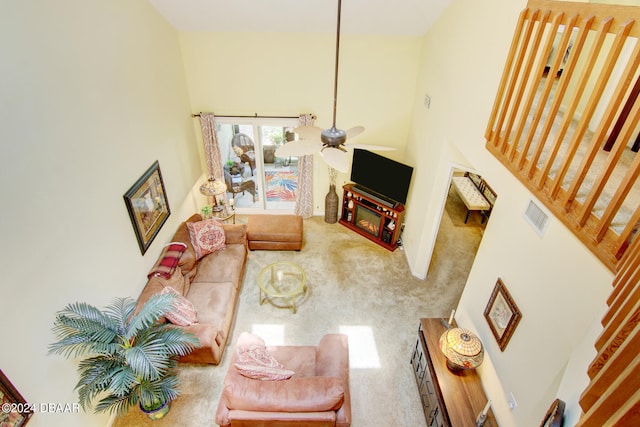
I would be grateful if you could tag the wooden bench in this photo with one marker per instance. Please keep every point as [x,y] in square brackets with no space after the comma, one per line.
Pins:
[475,194]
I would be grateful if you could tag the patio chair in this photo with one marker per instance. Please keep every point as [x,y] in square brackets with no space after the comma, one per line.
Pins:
[245,143]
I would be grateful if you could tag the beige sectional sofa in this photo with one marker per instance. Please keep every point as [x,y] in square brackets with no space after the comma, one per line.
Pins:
[211,284]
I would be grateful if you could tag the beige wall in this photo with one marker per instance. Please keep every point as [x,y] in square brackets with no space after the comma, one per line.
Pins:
[91,94]
[558,285]
[288,74]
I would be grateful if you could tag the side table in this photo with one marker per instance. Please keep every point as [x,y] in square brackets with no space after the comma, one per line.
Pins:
[224,215]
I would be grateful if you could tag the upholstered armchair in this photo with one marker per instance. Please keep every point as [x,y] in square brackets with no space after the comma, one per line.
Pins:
[317,393]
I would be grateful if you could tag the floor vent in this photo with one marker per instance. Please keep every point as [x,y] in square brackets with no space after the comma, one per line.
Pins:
[536,217]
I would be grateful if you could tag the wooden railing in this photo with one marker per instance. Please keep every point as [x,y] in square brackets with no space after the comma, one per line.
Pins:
[565,118]
[612,397]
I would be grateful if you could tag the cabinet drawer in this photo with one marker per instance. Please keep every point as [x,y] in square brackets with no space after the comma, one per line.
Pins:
[435,419]
[419,363]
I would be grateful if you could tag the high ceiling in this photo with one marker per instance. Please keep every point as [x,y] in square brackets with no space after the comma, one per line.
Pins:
[402,17]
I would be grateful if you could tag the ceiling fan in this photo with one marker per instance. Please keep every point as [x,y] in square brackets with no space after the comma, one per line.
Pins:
[330,143]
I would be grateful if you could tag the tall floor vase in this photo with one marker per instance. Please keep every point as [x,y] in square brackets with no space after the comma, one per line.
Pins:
[331,205]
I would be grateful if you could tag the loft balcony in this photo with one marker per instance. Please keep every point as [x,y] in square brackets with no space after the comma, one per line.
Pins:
[566,118]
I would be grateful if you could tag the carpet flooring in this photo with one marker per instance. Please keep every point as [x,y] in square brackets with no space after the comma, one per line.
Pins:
[354,287]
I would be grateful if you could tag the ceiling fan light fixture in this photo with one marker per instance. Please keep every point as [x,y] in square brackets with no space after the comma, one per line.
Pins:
[333,137]
[330,143]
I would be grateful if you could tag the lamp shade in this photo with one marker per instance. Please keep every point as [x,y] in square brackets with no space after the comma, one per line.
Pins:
[213,187]
[462,348]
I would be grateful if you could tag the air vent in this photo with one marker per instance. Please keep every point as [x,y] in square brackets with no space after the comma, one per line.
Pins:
[536,217]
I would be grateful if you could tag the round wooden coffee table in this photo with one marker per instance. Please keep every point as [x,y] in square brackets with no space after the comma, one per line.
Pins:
[283,279]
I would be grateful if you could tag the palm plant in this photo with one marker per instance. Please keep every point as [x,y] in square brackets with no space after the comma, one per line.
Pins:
[132,356]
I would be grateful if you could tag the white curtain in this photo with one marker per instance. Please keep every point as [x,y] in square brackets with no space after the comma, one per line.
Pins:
[211,147]
[304,198]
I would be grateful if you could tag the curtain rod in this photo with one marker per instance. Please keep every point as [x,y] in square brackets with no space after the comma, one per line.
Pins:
[255,116]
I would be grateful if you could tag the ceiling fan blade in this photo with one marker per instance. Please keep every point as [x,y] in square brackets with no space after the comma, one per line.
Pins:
[354,131]
[308,132]
[298,148]
[370,147]
[336,158]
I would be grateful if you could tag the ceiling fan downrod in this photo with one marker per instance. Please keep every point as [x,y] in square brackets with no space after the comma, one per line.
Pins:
[334,137]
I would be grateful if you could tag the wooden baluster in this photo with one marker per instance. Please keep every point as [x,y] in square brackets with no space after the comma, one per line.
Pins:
[599,135]
[623,189]
[544,94]
[589,110]
[508,97]
[610,164]
[575,100]
[524,80]
[493,134]
[561,89]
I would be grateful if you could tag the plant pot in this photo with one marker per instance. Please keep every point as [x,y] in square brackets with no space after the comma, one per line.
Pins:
[158,413]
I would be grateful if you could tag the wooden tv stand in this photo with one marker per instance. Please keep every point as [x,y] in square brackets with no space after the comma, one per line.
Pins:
[372,217]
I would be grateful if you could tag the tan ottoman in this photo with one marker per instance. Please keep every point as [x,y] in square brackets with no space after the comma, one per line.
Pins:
[275,232]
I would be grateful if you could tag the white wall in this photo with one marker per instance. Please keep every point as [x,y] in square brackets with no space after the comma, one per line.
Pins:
[289,74]
[559,286]
[91,94]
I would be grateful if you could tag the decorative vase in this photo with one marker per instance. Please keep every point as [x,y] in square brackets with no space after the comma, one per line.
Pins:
[158,413]
[331,205]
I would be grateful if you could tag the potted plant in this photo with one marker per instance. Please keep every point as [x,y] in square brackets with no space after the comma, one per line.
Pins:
[234,168]
[131,356]
[206,212]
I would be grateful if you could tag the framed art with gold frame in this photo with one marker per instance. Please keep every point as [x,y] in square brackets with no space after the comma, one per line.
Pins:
[16,412]
[502,314]
[555,415]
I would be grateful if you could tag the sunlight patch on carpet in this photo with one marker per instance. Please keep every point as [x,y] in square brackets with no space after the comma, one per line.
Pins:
[363,353]
[271,334]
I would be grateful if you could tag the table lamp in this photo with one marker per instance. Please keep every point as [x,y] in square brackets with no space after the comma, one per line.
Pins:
[212,188]
[462,348]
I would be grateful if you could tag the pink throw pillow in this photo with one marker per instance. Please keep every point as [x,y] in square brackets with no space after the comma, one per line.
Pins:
[183,312]
[254,360]
[206,236]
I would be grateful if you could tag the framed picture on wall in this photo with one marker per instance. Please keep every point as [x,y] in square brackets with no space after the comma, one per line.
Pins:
[147,205]
[502,314]
[15,412]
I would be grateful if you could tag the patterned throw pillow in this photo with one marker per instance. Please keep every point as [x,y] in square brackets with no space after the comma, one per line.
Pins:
[254,361]
[183,312]
[206,236]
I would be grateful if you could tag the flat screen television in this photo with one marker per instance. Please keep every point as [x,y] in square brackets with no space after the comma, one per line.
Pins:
[381,175]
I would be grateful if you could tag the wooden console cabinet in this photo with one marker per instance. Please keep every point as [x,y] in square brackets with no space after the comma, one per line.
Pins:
[375,218]
[449,399]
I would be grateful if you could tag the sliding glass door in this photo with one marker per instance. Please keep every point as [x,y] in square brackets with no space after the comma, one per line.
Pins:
[255,177]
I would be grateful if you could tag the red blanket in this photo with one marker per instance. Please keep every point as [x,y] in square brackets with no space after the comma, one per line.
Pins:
[168,260]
